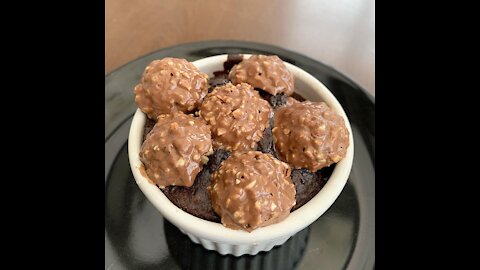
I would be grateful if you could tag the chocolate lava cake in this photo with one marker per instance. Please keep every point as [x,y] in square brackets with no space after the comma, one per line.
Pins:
[196,200]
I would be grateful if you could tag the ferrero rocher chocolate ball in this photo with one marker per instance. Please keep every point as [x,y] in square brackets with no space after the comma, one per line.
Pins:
[309,135]
[237,116]
[170,85]
[176,149]
[252,189]
[268,73]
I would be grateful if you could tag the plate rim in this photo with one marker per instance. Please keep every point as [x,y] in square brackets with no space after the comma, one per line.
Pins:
[231,44]
[243,44]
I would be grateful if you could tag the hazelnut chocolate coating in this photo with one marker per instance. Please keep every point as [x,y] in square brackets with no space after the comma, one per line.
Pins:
[310,135]
[251,190]
[170,85]
[237,116]
[176,149]
[268,73]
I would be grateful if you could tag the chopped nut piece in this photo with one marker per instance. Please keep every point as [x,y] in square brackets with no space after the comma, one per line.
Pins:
[237,214]
[221,131]
[251,185]
[237,113]
[273,206]
[180,162]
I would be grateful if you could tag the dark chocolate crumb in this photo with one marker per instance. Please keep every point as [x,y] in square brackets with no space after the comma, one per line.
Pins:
[265,145]
[148,127]
[275,101]
[298,97]
[232,60]
[195,199]
[308,184]
[218,80]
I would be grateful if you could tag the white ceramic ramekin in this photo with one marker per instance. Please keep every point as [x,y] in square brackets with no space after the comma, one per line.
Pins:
[215,236]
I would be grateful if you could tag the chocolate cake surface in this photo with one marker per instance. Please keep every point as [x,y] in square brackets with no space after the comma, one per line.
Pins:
[195,199]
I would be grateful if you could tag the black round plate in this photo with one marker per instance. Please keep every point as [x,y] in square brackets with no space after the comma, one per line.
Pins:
[137,236]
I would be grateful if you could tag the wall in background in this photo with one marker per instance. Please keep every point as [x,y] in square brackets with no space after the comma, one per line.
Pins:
[340,33]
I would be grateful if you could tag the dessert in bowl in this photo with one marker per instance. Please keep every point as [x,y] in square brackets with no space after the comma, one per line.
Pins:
[238,162]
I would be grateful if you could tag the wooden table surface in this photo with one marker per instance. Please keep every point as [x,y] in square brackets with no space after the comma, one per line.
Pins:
[340,33]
